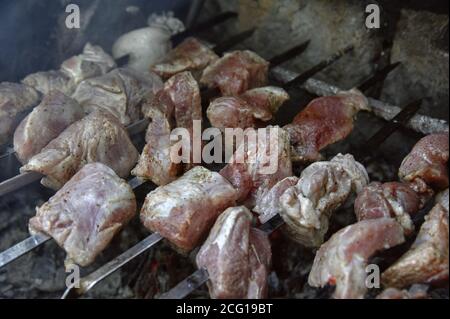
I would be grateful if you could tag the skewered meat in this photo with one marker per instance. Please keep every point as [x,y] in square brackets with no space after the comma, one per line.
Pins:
[14,99]
[236,256]
[322,188]
[86,213]
[258,165]
[98,137]
[342,260]
[119,92]
[190,55]
[47,81]
[396,200]
[178,104]
[427,259]
[326,120]
[183,211]
[236,72]
[427,162]
[93,61]
[415,292]
[254,106]
[268,204]
[52,116]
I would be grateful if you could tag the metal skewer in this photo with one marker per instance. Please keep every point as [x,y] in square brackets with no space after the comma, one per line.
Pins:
[39,239]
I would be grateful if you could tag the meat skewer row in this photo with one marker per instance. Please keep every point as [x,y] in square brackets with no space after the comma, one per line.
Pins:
[270,210]
[383,211]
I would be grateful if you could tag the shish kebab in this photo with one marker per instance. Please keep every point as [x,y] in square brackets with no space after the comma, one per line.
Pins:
[17,99]
[90,89]
[89,281]
[384,219]
[17,250]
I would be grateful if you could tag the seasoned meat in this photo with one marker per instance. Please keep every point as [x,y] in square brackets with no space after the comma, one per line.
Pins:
[52,116]
[184,210]
[190,55]
[91,63]
[236,72]
[259,163]
[427,259]
[324,121]
[53,80]
[428,162]
[119,92]
[14,100]
[249,109]
[268,204]
[86,213]
[98,137]
[396,200]
[236,256]
[323,187]
[177,105]
[415,292]
[342,260]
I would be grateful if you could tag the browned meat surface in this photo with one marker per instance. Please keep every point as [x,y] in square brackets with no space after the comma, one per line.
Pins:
[14,99]
[119,92]
[236,256]
[342,260]
[427,259]
[396,200]
[258,165]
[268,204]
[92,62]
[98,137]
[236,72]
[428,162]
[190,55]
[86,213]
[322,188]
[415,292]
[52,116]
[251,108]
[324,121]
[184,210]
[47,81]
[177,105]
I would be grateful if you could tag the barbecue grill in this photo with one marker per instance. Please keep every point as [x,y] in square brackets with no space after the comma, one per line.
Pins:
[306,63]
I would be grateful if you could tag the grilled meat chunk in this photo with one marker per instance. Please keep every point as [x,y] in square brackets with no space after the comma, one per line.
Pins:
[342,260]
[53,80]
[248,110]
[98,137]
[427,162]
[324,121]
[236,256]
[236,72]
[52,116]
[259,163]
[427,259]
[396,200]
[119,92]
[92,62]
[184,210]
[86,213]
[14,100]
[321,189]
[177,105]
[190,55]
